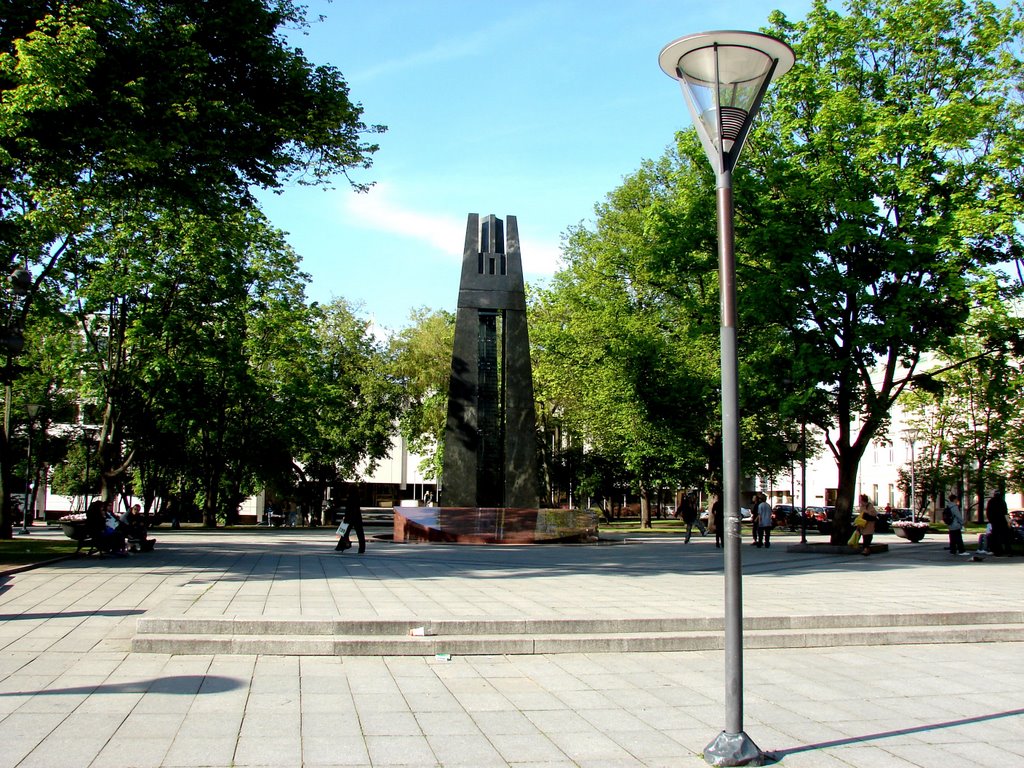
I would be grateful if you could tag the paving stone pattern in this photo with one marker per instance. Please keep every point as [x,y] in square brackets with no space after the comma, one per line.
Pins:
[72,694]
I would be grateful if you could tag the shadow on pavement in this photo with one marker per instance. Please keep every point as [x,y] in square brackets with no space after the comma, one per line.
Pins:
[67,614]
[778,754]
[180,684]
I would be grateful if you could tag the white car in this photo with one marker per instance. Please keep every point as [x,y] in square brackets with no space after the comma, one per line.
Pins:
[746,516]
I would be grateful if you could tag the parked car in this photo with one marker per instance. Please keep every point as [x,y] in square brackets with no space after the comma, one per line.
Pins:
[900,513]
[746,517]
[824,515]
[786,515]
[807,520]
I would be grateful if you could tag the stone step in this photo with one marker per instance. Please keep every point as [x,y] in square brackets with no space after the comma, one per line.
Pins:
[391,638]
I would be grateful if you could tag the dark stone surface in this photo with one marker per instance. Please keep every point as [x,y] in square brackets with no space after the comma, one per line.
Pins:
[490,454]
[505,525]
[835,549]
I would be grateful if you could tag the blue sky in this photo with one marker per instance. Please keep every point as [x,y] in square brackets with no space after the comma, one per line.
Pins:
[534,109]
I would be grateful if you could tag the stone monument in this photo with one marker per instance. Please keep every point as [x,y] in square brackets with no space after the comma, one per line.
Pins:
[489,478]
[490,446]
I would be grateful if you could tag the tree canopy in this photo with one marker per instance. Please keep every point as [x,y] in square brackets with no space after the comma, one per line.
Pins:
[131,134]
[876,194]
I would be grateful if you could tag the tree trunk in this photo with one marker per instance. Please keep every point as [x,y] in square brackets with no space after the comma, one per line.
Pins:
[842,523]
[645,507]
[6,508]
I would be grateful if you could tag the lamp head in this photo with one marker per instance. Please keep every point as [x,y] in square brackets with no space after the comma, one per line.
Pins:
[724,76]
[910,434]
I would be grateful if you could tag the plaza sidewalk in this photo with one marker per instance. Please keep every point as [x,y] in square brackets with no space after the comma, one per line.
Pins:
[73,694]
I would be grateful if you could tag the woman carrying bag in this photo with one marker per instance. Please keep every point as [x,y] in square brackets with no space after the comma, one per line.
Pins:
[867,530]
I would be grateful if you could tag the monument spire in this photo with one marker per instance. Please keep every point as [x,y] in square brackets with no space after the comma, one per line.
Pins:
[490,446]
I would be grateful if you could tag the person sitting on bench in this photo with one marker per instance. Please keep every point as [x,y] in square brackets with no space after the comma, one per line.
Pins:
[134,527]
[104,529]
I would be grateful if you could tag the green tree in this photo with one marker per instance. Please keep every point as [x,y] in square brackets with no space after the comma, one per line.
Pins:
[621,354]
[348,406]
[968,404]
[108,107]
[884,177]
[422,354]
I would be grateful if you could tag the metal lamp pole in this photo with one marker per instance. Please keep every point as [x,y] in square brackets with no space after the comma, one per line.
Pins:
[911,437]
[27,517]
[724,76]
[791,447]
[803,483]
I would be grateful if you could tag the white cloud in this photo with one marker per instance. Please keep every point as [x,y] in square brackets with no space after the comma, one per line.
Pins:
[377,211]
[439,53]
[539,258]
[476,43]
[374,210]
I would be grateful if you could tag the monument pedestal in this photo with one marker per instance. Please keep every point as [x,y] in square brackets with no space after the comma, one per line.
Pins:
[493,525]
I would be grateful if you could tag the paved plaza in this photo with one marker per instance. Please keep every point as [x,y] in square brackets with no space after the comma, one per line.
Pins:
[72,693]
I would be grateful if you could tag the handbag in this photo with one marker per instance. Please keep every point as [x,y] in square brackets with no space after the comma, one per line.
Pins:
[854,538]
[860,522]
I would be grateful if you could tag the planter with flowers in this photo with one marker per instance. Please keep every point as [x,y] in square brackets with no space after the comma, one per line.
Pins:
[74,526]
[910,530]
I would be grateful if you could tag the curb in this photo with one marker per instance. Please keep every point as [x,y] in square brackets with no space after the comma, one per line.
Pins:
[33,566]
[338,637]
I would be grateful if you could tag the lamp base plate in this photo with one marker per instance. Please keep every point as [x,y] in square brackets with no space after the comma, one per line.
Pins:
[733,749]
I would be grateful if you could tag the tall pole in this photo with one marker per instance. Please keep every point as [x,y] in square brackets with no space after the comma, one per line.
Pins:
[730,459]
[85,442]
[913,484]
[792,480]
[803,483]
[730,72]
[26,522]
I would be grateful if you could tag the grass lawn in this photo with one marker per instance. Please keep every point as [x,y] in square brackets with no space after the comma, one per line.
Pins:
[24,550]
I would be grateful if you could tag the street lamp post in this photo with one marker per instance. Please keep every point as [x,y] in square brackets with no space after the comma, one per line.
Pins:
[803,482]
[27,518]
[910,435]
[724,76]
[791,448]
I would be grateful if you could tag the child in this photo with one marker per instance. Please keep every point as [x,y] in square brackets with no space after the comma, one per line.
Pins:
[984,539]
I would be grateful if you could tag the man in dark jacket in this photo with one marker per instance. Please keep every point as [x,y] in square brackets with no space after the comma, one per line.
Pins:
[353,521]
[997,514]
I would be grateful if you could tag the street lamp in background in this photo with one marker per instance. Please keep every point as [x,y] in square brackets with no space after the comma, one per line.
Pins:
[791,448]
[724,76]
[910,435]
[26,523]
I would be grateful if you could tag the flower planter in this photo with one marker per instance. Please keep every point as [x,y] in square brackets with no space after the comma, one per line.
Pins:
[910,534]
[74,529]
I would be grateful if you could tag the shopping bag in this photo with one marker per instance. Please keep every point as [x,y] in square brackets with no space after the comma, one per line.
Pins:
[854,538]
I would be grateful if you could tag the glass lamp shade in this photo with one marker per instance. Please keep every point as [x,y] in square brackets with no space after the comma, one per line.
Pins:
[724,75]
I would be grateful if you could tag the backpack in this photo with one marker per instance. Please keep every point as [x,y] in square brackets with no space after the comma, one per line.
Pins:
[947,515]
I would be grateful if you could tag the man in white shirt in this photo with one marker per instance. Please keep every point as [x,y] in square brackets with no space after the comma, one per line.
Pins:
[763,518]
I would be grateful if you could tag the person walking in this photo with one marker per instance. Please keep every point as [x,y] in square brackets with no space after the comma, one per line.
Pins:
[690,510]
[718,518]
[353,521]
[1000,542]
[956,526]
[763,521]
[870,514]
